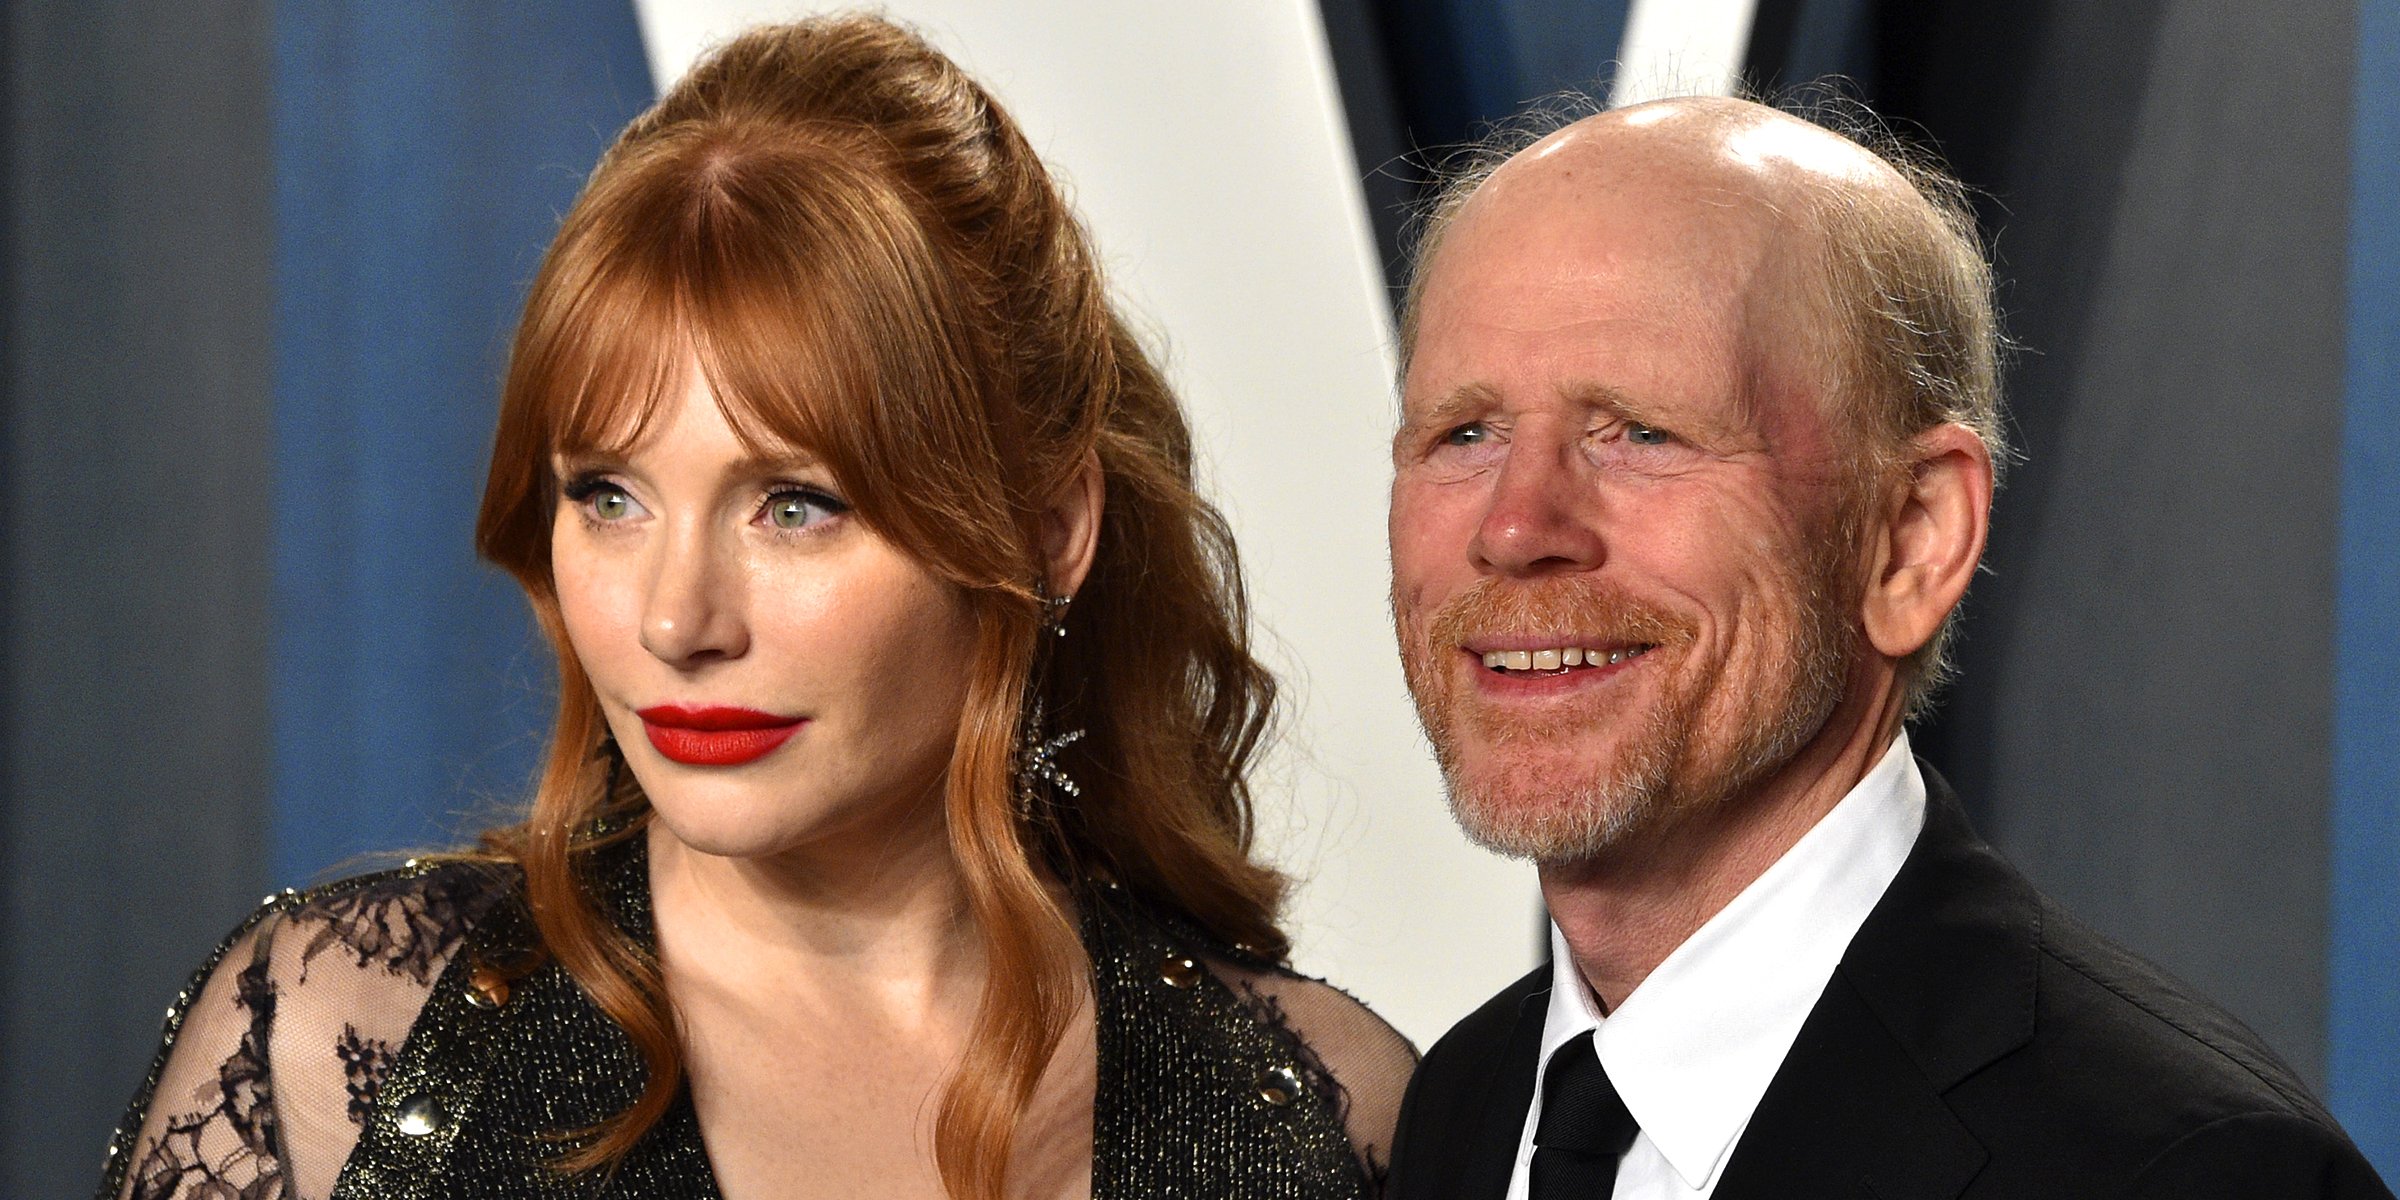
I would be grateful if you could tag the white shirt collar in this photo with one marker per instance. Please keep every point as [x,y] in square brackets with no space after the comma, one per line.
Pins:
[1692,1050]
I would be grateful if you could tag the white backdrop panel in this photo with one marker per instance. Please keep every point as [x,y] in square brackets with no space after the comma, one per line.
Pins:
[1681,48]
[1205,146]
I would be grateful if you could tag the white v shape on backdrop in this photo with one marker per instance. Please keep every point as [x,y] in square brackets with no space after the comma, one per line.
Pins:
[1206,147]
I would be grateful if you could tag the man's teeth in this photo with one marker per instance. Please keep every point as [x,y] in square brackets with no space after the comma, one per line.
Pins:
[1551,660]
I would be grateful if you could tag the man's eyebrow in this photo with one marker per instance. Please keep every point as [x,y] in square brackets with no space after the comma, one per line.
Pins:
[1454,407]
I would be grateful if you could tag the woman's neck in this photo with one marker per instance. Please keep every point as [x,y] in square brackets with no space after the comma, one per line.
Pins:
[876,919]
[823,996]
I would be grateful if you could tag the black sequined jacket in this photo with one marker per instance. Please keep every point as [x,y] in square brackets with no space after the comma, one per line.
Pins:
[398,1035]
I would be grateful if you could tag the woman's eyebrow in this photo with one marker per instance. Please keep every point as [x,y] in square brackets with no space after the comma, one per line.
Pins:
[776,462]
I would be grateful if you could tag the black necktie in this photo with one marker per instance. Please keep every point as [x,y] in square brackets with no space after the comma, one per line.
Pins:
[1584,1128]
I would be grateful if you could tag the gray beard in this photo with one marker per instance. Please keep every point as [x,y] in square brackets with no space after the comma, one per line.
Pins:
[1659,777]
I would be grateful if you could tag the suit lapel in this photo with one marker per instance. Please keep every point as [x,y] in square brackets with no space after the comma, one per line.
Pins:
[1466,1107]
[1850,1115]
[1938,982]
[1500,1111]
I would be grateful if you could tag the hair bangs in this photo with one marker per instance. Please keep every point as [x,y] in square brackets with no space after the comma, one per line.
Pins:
[627,362]
[827,321]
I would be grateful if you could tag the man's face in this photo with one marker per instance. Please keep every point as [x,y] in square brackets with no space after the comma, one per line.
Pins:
[1625,566]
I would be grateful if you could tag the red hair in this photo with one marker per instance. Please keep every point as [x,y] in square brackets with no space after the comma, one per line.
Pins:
[867,260]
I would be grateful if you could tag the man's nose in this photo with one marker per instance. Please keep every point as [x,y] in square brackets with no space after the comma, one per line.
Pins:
[693,612]
[1540,517]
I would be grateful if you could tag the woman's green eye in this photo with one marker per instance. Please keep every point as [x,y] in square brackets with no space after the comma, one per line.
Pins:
[801,508]
[610,504]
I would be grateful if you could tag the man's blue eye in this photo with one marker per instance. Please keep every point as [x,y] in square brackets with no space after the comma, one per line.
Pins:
[1646,435]
[1472,434]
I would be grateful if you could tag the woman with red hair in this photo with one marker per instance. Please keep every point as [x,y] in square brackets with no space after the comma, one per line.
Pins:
[894,837]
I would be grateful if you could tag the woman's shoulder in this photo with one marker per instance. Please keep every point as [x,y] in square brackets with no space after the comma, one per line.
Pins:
[1359,1046]
[271,1057]
[402,925]
[1337,1046]
[1340,1039]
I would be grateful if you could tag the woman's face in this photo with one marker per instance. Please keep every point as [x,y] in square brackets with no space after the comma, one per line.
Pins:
[775,672]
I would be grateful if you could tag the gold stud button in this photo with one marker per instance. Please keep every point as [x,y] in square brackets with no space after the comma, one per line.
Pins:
[1279,1087]
[420,1115]
[1179,971]
[487,988]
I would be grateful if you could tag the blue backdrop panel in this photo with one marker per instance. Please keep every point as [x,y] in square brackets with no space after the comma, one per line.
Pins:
[422,156]
[2365,1017]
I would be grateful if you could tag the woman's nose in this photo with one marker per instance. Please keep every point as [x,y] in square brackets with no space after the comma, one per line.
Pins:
[693,613]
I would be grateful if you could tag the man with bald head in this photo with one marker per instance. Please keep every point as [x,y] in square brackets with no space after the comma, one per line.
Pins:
[1699,438]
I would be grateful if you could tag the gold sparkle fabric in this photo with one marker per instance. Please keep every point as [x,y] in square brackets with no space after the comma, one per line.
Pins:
[399,1036]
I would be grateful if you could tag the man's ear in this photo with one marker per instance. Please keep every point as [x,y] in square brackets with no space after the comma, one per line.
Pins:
[1929,539]
[1071,529]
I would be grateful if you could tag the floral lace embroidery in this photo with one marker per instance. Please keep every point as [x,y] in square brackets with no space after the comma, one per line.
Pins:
[365,1063]
[178,1165]
[407,923]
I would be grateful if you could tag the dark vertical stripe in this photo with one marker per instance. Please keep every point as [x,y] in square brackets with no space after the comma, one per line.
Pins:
[423,153]
[1776,27]
[1362,69]
[2365,1002]
[2145,715]
[1797,43]
[135,503]
[1422,78]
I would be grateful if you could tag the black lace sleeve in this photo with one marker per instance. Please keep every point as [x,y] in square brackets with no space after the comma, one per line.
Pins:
[210,1126]
[1343,1050]
[273,1054]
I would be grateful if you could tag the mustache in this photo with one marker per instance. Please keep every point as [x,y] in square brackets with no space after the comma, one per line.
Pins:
[1581,609]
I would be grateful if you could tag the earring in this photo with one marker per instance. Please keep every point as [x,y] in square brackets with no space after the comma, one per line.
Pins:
[1037,761]
[1054,611]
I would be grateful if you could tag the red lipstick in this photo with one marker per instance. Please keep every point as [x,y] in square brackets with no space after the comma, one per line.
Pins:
[716,736]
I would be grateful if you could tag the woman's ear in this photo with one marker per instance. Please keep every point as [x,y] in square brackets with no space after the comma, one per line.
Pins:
[1071,529]
[1930,541]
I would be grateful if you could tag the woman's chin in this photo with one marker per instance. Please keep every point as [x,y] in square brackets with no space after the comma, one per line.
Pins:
[780,831]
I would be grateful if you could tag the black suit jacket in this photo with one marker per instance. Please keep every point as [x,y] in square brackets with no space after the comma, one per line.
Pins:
[1974,1042]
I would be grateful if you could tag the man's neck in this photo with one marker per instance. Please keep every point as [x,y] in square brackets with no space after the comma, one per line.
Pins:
[1624,911]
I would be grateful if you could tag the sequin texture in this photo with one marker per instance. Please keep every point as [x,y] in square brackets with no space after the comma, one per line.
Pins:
[480,1097]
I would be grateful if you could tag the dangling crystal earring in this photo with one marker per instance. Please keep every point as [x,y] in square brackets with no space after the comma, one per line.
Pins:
[1037,761]
[1037,752]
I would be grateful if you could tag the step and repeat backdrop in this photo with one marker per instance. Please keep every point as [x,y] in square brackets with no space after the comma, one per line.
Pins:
[261,264]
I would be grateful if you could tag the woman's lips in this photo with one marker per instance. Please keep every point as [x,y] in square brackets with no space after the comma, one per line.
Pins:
[716,736]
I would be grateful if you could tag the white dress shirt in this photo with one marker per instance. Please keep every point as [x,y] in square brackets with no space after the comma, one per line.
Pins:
[1692,1049]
